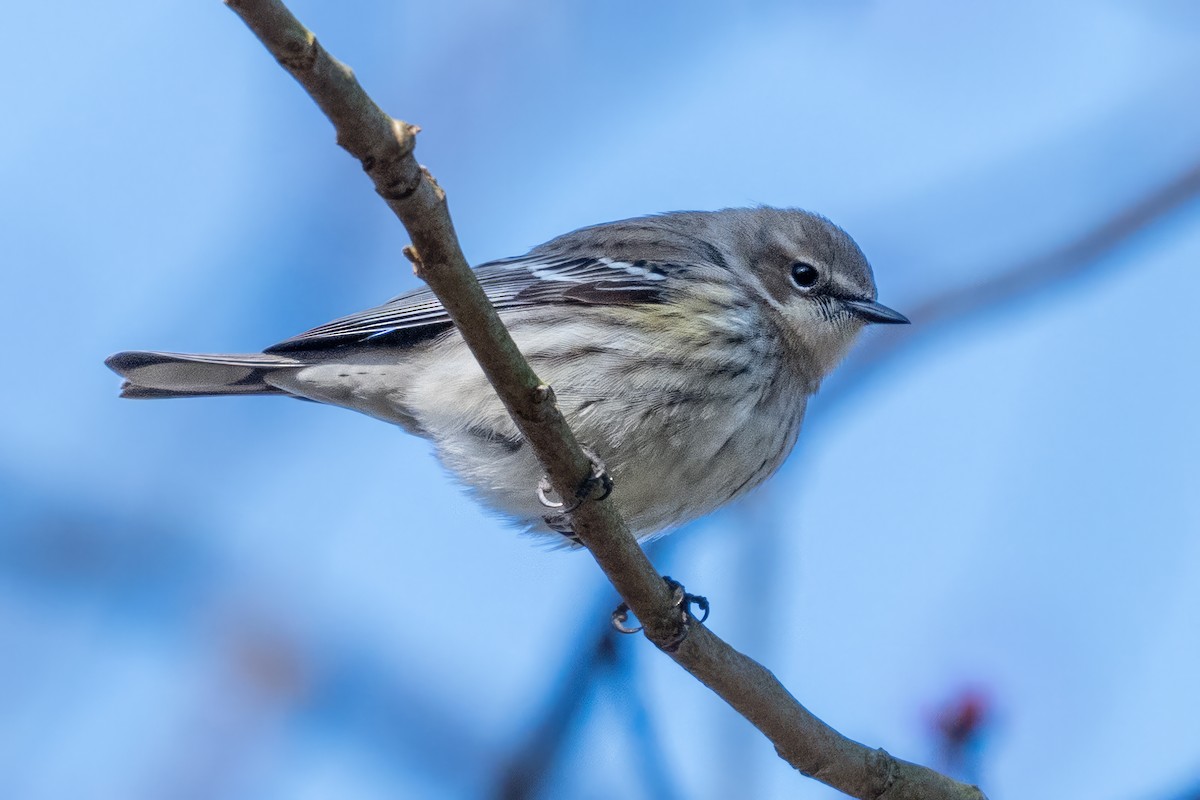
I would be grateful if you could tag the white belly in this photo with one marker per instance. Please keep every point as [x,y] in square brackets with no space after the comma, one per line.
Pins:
[677,448]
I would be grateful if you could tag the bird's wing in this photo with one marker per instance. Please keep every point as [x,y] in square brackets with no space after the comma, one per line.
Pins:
[534,279]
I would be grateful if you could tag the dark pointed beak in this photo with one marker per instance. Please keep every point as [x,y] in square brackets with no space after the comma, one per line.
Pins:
[871,311]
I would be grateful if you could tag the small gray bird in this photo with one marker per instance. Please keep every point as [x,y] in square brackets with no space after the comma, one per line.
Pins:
[682,349]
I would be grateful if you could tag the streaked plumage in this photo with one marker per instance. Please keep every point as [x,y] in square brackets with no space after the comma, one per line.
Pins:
[679,346]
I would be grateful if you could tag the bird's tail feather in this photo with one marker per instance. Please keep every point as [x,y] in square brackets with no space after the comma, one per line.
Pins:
[157,375]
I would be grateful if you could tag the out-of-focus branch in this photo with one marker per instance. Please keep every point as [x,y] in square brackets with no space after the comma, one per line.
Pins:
[525,773]
[1024,280]
[384,146]
[1191,794]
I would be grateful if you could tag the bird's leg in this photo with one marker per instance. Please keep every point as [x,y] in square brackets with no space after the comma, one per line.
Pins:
[598,479]
[681,598]
[686,599]
[561,523]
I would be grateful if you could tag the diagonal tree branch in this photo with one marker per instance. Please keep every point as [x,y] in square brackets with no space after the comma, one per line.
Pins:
[384,146]
[1073,260]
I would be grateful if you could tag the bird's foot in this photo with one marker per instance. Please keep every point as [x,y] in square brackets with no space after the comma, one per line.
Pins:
[597,486]
[681,598]
[561,524]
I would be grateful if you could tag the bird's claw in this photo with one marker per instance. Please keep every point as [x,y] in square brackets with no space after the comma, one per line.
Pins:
[681,599]
[685,600]
[597,479]
[543,494]
[620,616]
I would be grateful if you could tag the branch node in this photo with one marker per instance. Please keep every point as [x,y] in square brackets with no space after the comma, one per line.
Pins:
[299,55]
[406,137]
[542,393]
[412,255]
[400,187]
[388,161]
[890,778]
[437,188]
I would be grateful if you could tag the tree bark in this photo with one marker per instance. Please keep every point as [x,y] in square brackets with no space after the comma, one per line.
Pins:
[384,146]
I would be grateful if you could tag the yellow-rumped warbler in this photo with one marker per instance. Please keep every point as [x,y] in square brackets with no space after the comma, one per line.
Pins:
[682,349]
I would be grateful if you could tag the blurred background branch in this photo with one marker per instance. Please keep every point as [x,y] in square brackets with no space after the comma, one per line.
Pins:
[1081,258]
[211,588]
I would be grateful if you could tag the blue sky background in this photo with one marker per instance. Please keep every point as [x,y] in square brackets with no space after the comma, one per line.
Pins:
[253,598]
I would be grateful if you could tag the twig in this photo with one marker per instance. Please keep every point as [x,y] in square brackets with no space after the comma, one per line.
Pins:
[384,147]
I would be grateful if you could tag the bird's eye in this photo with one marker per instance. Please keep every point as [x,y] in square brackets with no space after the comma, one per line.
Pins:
[805,275]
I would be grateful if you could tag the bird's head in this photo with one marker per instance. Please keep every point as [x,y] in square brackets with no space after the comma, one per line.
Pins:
[813,275]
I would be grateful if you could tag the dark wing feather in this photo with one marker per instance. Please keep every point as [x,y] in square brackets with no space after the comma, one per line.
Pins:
[509,283]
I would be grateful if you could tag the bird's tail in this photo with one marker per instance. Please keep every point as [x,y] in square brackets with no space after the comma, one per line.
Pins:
[156,375]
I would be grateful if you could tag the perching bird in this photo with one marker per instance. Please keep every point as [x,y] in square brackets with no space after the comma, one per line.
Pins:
[682,349]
